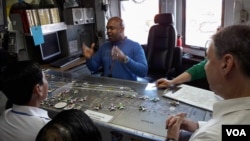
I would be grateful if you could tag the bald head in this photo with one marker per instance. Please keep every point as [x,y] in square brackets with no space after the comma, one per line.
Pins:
[118,20]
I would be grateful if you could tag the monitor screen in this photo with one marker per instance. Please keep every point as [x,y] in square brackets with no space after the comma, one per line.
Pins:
[3,16]
[51,47]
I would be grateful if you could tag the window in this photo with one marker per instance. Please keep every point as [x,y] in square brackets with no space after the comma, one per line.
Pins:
[138,16]
[202,18]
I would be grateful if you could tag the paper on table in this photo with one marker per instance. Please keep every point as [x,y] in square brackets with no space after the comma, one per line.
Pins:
[151,86]
[194,96]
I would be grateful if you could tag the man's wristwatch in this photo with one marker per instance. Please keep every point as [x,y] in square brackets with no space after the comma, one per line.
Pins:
[125,60]
[170,139]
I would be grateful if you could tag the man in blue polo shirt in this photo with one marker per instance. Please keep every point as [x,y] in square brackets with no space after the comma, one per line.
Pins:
[119,57]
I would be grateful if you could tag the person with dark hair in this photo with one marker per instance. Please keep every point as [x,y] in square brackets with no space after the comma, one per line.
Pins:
[25,85]
[70,125]
[227,70]
[119,57]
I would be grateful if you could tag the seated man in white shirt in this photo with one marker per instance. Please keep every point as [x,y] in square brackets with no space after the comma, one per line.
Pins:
[25,85]
[228,75]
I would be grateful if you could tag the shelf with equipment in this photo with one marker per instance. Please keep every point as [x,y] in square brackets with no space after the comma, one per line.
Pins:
[55,27]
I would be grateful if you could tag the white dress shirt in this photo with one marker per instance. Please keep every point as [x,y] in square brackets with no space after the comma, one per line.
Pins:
[22,123]
[225,112]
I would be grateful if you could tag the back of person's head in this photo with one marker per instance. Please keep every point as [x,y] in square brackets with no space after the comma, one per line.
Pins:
[70,125]
[18,80]
[234,40]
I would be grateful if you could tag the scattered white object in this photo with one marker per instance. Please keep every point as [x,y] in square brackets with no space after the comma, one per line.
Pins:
[60,105]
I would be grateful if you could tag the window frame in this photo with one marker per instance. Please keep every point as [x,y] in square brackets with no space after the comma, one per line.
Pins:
[194,47]
[152,19]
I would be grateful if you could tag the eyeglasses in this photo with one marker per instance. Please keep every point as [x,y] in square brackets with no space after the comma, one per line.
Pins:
[207,45]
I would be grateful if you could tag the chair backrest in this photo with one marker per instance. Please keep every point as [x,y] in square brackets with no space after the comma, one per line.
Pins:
[177,62]
[161,43]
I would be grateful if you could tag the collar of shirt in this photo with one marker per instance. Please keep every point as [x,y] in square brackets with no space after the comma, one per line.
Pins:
[30,111]
[231,105]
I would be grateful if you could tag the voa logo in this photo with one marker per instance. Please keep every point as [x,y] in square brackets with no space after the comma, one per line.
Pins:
[236,132]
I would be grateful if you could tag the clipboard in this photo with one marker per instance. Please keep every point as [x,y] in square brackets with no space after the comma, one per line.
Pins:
[194,96]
